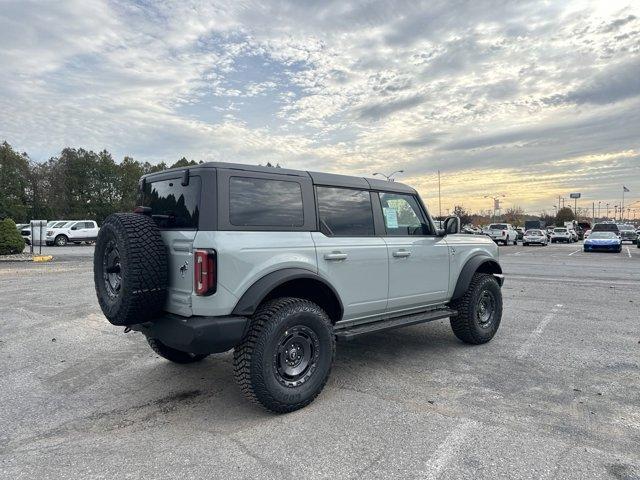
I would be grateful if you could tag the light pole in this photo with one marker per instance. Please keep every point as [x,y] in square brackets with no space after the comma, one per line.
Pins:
[496,202]
[607,211]
[390,176]
[599,209]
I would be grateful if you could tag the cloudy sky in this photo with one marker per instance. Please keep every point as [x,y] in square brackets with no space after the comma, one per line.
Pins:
[528,99]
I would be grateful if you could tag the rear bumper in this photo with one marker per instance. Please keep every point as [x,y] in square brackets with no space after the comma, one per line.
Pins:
[196,334]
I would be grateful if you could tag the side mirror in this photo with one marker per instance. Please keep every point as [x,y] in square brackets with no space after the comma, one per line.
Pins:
[452,225]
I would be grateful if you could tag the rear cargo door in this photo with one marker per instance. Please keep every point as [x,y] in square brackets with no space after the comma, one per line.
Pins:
[176,209]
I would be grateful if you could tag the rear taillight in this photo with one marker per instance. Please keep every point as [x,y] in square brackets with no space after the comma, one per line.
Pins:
[504,233]
[205,280]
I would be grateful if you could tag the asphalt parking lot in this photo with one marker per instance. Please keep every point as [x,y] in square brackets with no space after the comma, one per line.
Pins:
[556,394]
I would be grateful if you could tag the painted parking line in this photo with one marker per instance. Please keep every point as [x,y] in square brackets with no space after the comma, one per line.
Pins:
[628,252]
[448,450]
[572,253]
[535,335]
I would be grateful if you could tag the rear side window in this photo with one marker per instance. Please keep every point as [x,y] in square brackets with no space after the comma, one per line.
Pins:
[258,202]
[173,206]
[345,212]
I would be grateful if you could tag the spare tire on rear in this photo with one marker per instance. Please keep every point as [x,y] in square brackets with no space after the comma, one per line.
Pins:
[130,269]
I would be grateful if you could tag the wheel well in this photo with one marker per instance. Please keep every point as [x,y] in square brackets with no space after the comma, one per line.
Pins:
[310,289]
[489,267]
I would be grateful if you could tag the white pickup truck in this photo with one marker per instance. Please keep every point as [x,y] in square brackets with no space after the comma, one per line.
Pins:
[503,233]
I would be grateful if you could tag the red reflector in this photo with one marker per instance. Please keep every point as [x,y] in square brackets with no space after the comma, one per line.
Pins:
[205,272]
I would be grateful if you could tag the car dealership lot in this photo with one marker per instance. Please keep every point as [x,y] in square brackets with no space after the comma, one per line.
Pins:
[554,395]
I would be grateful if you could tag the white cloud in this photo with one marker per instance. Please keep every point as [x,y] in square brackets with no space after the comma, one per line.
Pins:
[341,85]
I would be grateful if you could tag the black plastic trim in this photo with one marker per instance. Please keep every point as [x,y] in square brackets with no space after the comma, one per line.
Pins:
[469,269]
[348,333]
[196,334]
[257,292]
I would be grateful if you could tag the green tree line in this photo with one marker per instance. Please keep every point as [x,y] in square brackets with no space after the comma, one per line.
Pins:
[76,184]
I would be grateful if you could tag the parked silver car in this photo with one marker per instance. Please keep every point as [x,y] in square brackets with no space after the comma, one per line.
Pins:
[534,237]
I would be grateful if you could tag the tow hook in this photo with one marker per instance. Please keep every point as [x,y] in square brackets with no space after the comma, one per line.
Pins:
[127,329]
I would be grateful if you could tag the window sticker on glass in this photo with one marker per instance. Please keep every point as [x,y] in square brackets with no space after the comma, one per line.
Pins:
[391,217]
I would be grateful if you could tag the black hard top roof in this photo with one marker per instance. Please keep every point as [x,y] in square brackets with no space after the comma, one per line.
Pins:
[318,178]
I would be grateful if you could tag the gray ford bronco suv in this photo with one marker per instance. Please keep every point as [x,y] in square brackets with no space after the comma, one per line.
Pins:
[278,264]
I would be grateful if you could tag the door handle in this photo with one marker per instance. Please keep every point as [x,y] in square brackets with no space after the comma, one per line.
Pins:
[335,256]
[401,253]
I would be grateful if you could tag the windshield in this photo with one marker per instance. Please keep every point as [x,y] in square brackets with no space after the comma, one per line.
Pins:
[605,227]
[603,235]
[560,230]
[59,224]
[533,233]
[625,227]
[498,226]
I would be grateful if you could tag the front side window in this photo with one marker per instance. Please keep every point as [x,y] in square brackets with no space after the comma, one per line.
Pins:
[402,215]
[173,205]
[345,212]
[259,202]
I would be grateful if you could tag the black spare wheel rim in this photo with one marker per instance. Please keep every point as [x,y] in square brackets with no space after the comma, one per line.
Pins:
[486,310]
[296,356]
[111,272]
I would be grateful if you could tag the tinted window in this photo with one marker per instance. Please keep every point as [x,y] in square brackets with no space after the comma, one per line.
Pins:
[259,202]
[498,226]
[402,215]
[173,205]
[605,227]
[344,212]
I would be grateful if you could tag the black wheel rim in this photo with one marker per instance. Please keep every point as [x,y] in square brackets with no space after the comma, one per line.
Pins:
[111,272]
[485,313]
[296,356]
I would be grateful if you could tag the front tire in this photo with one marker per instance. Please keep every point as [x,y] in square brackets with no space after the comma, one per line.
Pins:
[284,360]
[479,310]
[61,240]
[173,355]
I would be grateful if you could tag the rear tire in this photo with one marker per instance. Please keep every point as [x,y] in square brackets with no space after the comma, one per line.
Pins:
[285,358]
[479,310]
[173,355]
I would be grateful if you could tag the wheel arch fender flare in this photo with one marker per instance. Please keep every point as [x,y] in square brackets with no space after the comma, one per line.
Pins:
[478,263]
[264,287]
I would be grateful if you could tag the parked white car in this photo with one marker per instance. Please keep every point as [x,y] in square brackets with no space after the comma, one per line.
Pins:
[75,231]
[561,234]
[534,236]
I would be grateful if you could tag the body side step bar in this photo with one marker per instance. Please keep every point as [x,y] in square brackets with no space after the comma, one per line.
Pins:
[348,333]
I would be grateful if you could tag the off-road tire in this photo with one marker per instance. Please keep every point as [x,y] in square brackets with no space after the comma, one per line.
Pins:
[465,324]
[525,244]
[61,240]
[256,358]
[173,355]
[137,292]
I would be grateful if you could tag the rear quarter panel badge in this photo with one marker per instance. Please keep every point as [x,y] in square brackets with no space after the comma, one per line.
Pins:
[184,268]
